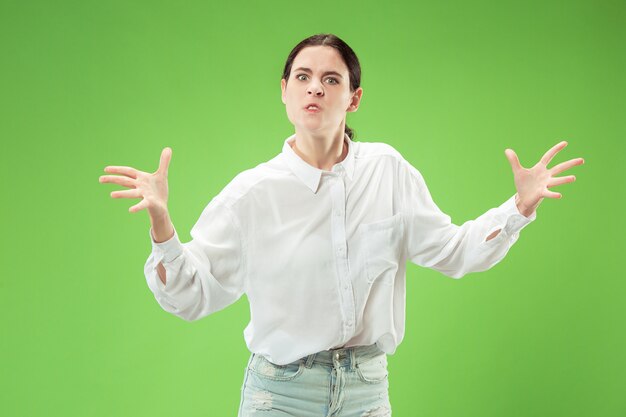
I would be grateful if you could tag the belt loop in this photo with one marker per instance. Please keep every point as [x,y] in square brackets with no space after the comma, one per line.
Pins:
[353,358]
[309,360]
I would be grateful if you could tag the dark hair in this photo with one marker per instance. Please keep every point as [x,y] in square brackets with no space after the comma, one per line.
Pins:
[347,54]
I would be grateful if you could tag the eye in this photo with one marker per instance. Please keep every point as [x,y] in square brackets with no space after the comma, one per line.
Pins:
[333,79]
[300,75]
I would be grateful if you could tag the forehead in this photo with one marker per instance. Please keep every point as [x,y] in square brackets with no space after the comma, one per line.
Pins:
[320,58]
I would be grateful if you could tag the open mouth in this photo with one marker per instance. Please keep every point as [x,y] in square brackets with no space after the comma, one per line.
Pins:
[312,108]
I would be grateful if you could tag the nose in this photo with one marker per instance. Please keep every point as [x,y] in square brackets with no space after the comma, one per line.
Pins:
[315,88]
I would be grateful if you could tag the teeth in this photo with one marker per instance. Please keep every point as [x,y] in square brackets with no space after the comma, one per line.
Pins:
[312,107]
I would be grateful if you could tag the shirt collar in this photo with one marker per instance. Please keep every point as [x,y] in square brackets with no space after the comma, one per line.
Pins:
[310,175]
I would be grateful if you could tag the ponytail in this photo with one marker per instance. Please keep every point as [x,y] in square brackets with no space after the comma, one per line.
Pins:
[349,132]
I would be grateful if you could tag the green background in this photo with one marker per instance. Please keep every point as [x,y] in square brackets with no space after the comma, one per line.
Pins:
[87,84]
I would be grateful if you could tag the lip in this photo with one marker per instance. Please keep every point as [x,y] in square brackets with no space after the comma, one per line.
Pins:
[319,108]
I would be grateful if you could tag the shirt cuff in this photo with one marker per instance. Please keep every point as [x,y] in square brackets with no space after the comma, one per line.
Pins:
[166,251]
[515,221]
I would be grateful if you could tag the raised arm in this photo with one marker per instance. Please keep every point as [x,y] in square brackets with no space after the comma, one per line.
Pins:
[193,279]
[476,245]
[153,191]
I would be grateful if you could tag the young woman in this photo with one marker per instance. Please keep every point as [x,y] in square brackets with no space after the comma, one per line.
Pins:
[318,239]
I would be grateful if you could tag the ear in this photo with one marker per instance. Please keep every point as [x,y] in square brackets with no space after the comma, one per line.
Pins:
[283,86]
[356,100]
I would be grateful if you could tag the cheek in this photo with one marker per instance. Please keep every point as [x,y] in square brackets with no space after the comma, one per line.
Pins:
[291,111]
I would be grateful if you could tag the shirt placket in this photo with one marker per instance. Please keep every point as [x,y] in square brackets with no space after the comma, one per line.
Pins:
[340,247]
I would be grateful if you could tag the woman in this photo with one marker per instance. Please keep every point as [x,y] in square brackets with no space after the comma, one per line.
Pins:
[318,239]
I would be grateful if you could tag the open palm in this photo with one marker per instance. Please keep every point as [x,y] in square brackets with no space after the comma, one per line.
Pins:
[533,184]
[151,188]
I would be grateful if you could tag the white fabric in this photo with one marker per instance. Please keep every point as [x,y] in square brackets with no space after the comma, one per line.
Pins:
[321,255]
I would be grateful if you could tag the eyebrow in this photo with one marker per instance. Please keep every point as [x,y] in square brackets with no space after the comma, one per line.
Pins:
[310,72]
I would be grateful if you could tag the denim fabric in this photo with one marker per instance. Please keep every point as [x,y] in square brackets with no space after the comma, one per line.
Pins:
[345,382]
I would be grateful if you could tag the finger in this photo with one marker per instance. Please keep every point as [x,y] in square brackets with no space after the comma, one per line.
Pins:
[126,194]
[561,180]
[550,194]
[116,179]
[513,159]
[139,206]
[128,171]
[547,157]
[557,169]
[166,157]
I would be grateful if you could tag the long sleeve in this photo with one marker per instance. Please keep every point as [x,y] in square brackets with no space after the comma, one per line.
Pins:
[434,242]
[204,275]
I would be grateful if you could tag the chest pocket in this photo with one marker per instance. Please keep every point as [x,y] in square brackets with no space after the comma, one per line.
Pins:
[383,243]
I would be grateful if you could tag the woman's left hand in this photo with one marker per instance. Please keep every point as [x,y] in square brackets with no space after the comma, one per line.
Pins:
[532,183]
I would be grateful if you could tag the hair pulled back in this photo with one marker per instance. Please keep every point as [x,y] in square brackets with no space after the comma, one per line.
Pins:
[347,54]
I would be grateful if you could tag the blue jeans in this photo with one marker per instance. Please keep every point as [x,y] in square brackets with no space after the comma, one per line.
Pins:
[345,382]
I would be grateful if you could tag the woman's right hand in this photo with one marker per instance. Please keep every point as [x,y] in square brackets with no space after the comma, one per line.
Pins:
[151,188]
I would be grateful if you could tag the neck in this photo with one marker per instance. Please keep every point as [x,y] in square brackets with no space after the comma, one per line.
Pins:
[320,151]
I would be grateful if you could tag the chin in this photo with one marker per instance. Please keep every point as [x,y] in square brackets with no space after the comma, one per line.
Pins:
[312,127]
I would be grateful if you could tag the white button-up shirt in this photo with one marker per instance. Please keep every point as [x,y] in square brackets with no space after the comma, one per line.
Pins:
[321,255]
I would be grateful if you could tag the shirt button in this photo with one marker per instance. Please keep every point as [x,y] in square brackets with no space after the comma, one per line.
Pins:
[337,356]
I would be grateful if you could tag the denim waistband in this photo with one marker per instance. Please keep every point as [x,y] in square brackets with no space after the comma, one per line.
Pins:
[343,357]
